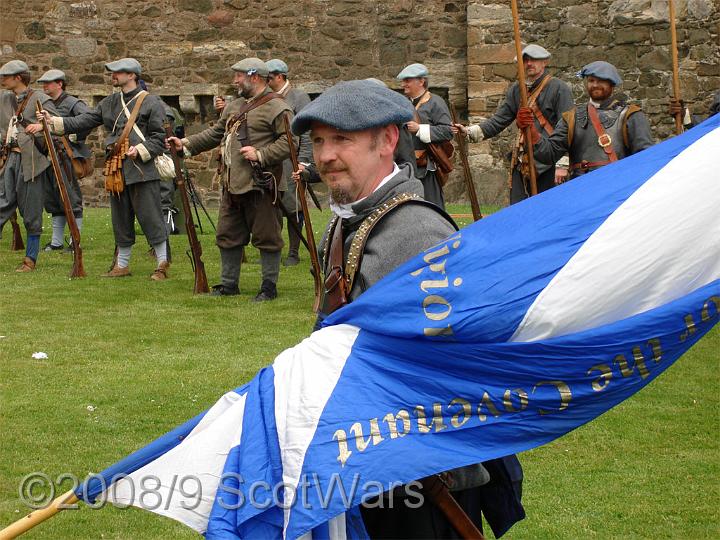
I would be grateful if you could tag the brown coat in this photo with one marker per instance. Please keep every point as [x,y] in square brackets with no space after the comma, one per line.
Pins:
[266,130]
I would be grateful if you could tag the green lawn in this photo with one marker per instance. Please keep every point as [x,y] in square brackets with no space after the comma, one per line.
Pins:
[129,359]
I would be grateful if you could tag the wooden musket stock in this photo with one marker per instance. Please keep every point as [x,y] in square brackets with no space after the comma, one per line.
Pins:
[201,284]
[467,173]
[77,269]
[312,249]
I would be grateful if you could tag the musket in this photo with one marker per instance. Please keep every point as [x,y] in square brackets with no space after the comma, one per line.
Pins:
[201,283]
[77,270]
[312,248]
[435,488]
[676,74]
[467,173]
[16,244]
[523,98]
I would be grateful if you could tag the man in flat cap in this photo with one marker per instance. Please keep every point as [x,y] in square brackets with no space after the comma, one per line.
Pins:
[297,99]
[144,140]
[603,130]
[251,134]
[54,85]
[431,123]
[24,169]
[548,98]
[354,129]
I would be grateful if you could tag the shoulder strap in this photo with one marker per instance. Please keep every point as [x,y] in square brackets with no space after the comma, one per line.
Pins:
[604,140]
[631,109]
[357,247]
[131,121]
[250,105]
[532,102]
[422,101]
[569,117]
[62,98]
[24,102]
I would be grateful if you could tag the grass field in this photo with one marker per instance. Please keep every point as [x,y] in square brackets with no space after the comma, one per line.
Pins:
[130,359]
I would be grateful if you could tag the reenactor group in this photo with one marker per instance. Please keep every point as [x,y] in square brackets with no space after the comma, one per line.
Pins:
[379,153]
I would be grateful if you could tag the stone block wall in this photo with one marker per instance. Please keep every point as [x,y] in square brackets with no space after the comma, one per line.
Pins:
[632,34]
[186,48]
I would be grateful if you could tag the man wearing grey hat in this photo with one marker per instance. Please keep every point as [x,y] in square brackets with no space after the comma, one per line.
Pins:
[54,85]
[379,221]
[431,124]
[548,98]
[297,99]
[251,135]
[139,195]
[24,169]
[603,130]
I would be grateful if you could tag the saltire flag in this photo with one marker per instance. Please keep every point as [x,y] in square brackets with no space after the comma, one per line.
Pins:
[504,337]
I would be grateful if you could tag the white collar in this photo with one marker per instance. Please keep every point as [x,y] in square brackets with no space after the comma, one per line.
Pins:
[345,211]
[287,83]
[595,104]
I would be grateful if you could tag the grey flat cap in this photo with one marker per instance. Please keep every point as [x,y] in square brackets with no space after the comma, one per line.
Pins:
[52,75]
[536,52]
[124,65]
[601,70]
[276,66]
[252,66]
[354,106]
[411,71]
[14,67]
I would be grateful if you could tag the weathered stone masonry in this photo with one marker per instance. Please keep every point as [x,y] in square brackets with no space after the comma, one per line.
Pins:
[187,46]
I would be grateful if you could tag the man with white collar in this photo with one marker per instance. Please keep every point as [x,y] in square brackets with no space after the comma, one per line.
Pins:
[54,85]
[431,123]
[139,192]
[601,131]
[297,99]
[380,220]
[548,98]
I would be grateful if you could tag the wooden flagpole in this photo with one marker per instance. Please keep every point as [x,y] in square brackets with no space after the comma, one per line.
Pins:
[38,516]
[676,71]
[523,97]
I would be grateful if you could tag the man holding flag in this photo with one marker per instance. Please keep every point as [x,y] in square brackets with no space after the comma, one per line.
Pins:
[380,220]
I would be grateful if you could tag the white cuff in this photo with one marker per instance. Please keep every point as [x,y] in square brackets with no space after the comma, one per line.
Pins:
[57,125]
[474,133]
[144,154]
[563,163]
[424,133]
[186,152]
[259,156]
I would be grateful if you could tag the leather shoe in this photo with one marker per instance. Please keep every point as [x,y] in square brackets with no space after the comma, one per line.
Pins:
[268,291]
[222,290]
[117,271]
[51,247]
[292,259]
[28,265]
[161,272]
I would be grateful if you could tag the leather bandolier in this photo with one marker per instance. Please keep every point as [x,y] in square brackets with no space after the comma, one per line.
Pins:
[519,158]
[341,270]
[603,139]
[237,126]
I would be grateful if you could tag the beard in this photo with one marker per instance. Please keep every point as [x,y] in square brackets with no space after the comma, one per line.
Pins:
[341,196]
[246,90]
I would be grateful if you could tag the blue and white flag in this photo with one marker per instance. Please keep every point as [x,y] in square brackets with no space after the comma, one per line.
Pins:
[504,337]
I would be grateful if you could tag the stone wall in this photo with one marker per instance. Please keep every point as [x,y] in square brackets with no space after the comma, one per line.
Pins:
[632,34]
[187,46]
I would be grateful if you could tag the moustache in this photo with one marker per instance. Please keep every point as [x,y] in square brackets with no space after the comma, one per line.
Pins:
[330,170]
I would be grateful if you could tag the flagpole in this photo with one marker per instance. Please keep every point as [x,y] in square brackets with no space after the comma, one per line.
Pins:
[523,97]
[676,74]
[38,516]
